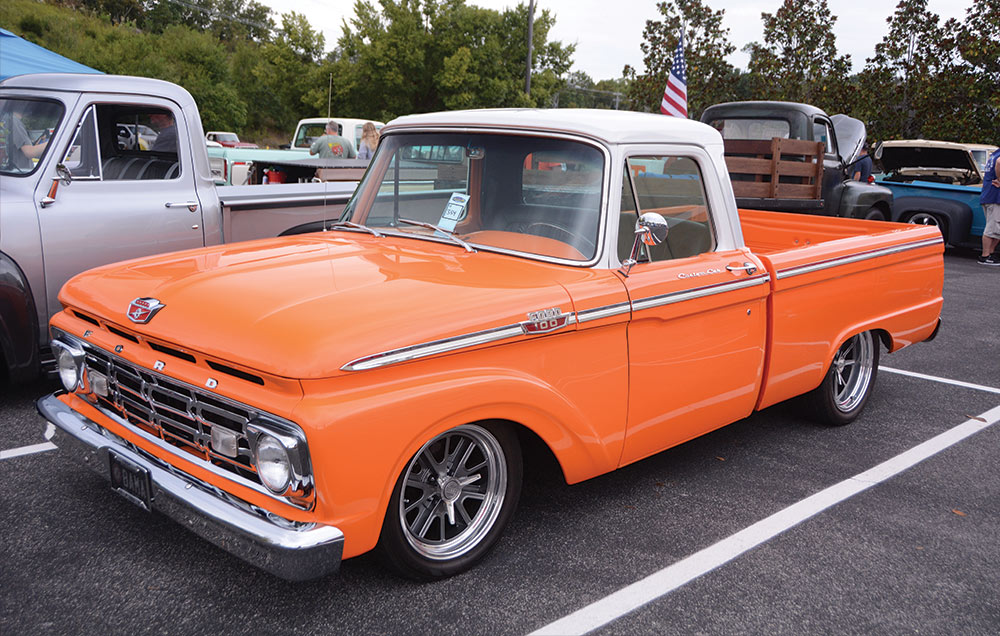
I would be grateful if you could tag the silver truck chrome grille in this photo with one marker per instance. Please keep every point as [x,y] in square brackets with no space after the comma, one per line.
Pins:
[175,412]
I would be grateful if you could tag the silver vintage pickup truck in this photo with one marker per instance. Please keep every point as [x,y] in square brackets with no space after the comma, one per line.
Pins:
[103,168]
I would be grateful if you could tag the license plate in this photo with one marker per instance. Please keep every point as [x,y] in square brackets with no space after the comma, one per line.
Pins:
[129,480]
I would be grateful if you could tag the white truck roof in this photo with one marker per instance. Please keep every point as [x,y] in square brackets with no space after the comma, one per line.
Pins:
[611,126]
[94,83]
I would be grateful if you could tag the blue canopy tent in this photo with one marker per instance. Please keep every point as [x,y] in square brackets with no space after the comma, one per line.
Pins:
[18,56]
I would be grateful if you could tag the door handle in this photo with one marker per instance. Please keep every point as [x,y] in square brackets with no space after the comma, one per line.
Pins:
[749,268]
[191,205]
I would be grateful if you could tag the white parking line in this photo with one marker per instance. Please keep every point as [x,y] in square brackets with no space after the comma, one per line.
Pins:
[967,385]
[50,430]
[658,584]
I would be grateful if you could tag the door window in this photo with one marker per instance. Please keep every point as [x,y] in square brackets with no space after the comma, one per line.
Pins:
[821,132]
[673,188]
[124,142]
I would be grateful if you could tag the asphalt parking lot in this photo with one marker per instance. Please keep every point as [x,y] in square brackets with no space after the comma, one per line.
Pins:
[902,549]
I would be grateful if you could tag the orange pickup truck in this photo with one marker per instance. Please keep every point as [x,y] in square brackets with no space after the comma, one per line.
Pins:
[579,278]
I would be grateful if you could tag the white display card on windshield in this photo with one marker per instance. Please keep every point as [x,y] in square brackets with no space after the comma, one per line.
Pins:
[453,211]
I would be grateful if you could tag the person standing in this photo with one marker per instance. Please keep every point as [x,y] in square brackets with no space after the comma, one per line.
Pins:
[369,141]
[990,200]
[331,145]
[863,166]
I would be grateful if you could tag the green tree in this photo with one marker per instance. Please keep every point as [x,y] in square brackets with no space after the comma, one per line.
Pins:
[706,45]
[798,59]
[913,75]
[117,10]
[229,20]
[978,42]
[410,56]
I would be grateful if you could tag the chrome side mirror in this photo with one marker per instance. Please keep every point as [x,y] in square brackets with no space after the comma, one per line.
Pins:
[650,229]
[64,174]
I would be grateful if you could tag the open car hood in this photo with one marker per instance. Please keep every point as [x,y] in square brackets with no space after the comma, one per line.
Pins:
[850,136]
[897,157]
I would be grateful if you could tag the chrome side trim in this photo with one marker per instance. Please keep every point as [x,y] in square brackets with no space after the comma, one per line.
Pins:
[699,292]
[435,347]
[847,260]
[603,312]
[289,549]
[447,345]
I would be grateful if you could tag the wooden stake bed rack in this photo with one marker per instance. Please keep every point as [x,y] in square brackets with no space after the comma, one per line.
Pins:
[776,168]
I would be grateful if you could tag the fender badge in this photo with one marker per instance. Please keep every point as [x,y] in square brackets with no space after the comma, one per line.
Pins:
[141,310]
[544,321]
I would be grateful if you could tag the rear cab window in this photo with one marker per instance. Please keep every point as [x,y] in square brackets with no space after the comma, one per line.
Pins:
[751,128]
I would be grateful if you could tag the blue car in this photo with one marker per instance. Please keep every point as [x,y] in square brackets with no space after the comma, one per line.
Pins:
[936,183]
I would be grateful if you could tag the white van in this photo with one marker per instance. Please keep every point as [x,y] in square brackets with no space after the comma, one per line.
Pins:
[312,128]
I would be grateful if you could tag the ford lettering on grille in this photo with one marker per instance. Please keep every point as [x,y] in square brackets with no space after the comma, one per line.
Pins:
[176,412]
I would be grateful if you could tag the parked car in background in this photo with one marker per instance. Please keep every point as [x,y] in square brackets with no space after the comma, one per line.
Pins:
[229,140]
[135,136]
[791,157]
[501,277]
[310,129]
[981,152]
[935,183]
[99,193]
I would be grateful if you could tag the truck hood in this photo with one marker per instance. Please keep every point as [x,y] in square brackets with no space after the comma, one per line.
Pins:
[928,155]
[850,137]
[304,306]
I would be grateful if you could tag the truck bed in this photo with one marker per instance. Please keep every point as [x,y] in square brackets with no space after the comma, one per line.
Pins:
[814,262]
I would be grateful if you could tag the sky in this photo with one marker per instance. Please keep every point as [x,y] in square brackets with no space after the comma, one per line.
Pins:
[608,33]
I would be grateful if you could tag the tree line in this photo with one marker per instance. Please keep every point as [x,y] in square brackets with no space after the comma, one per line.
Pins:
[927,78]
[257,73]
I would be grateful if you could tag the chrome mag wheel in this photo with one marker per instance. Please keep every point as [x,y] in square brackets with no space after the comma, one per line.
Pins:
[852,371]
[453,492]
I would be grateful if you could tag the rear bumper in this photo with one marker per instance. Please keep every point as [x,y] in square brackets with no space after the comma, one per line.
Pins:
[291,550]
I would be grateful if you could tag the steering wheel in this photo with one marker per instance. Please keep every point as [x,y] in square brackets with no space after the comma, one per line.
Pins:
[574,239]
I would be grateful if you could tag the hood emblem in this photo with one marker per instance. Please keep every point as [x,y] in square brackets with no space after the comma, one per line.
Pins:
[141,310]
[544,321]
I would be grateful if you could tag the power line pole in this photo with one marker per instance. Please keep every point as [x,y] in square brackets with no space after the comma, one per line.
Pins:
[531,24]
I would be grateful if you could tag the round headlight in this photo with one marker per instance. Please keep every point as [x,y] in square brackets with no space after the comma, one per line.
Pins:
[272,464]
[69,371]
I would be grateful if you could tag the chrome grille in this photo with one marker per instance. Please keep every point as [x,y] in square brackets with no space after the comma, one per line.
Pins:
[175,412]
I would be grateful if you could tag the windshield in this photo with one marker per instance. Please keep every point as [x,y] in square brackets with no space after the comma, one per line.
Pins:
[309,133]
[26,126]
[227,137]
[533,195]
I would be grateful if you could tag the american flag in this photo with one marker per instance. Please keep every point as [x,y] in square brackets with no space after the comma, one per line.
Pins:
[675,95]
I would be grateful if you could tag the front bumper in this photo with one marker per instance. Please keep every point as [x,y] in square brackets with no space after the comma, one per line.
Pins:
[290,550]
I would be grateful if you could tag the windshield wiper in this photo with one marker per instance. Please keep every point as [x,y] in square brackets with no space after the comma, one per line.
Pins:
[449,234]
[354,226]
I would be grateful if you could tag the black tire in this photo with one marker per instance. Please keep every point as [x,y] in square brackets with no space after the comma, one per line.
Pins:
[477,469]
[875,214]
[848,383]
[927,218]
